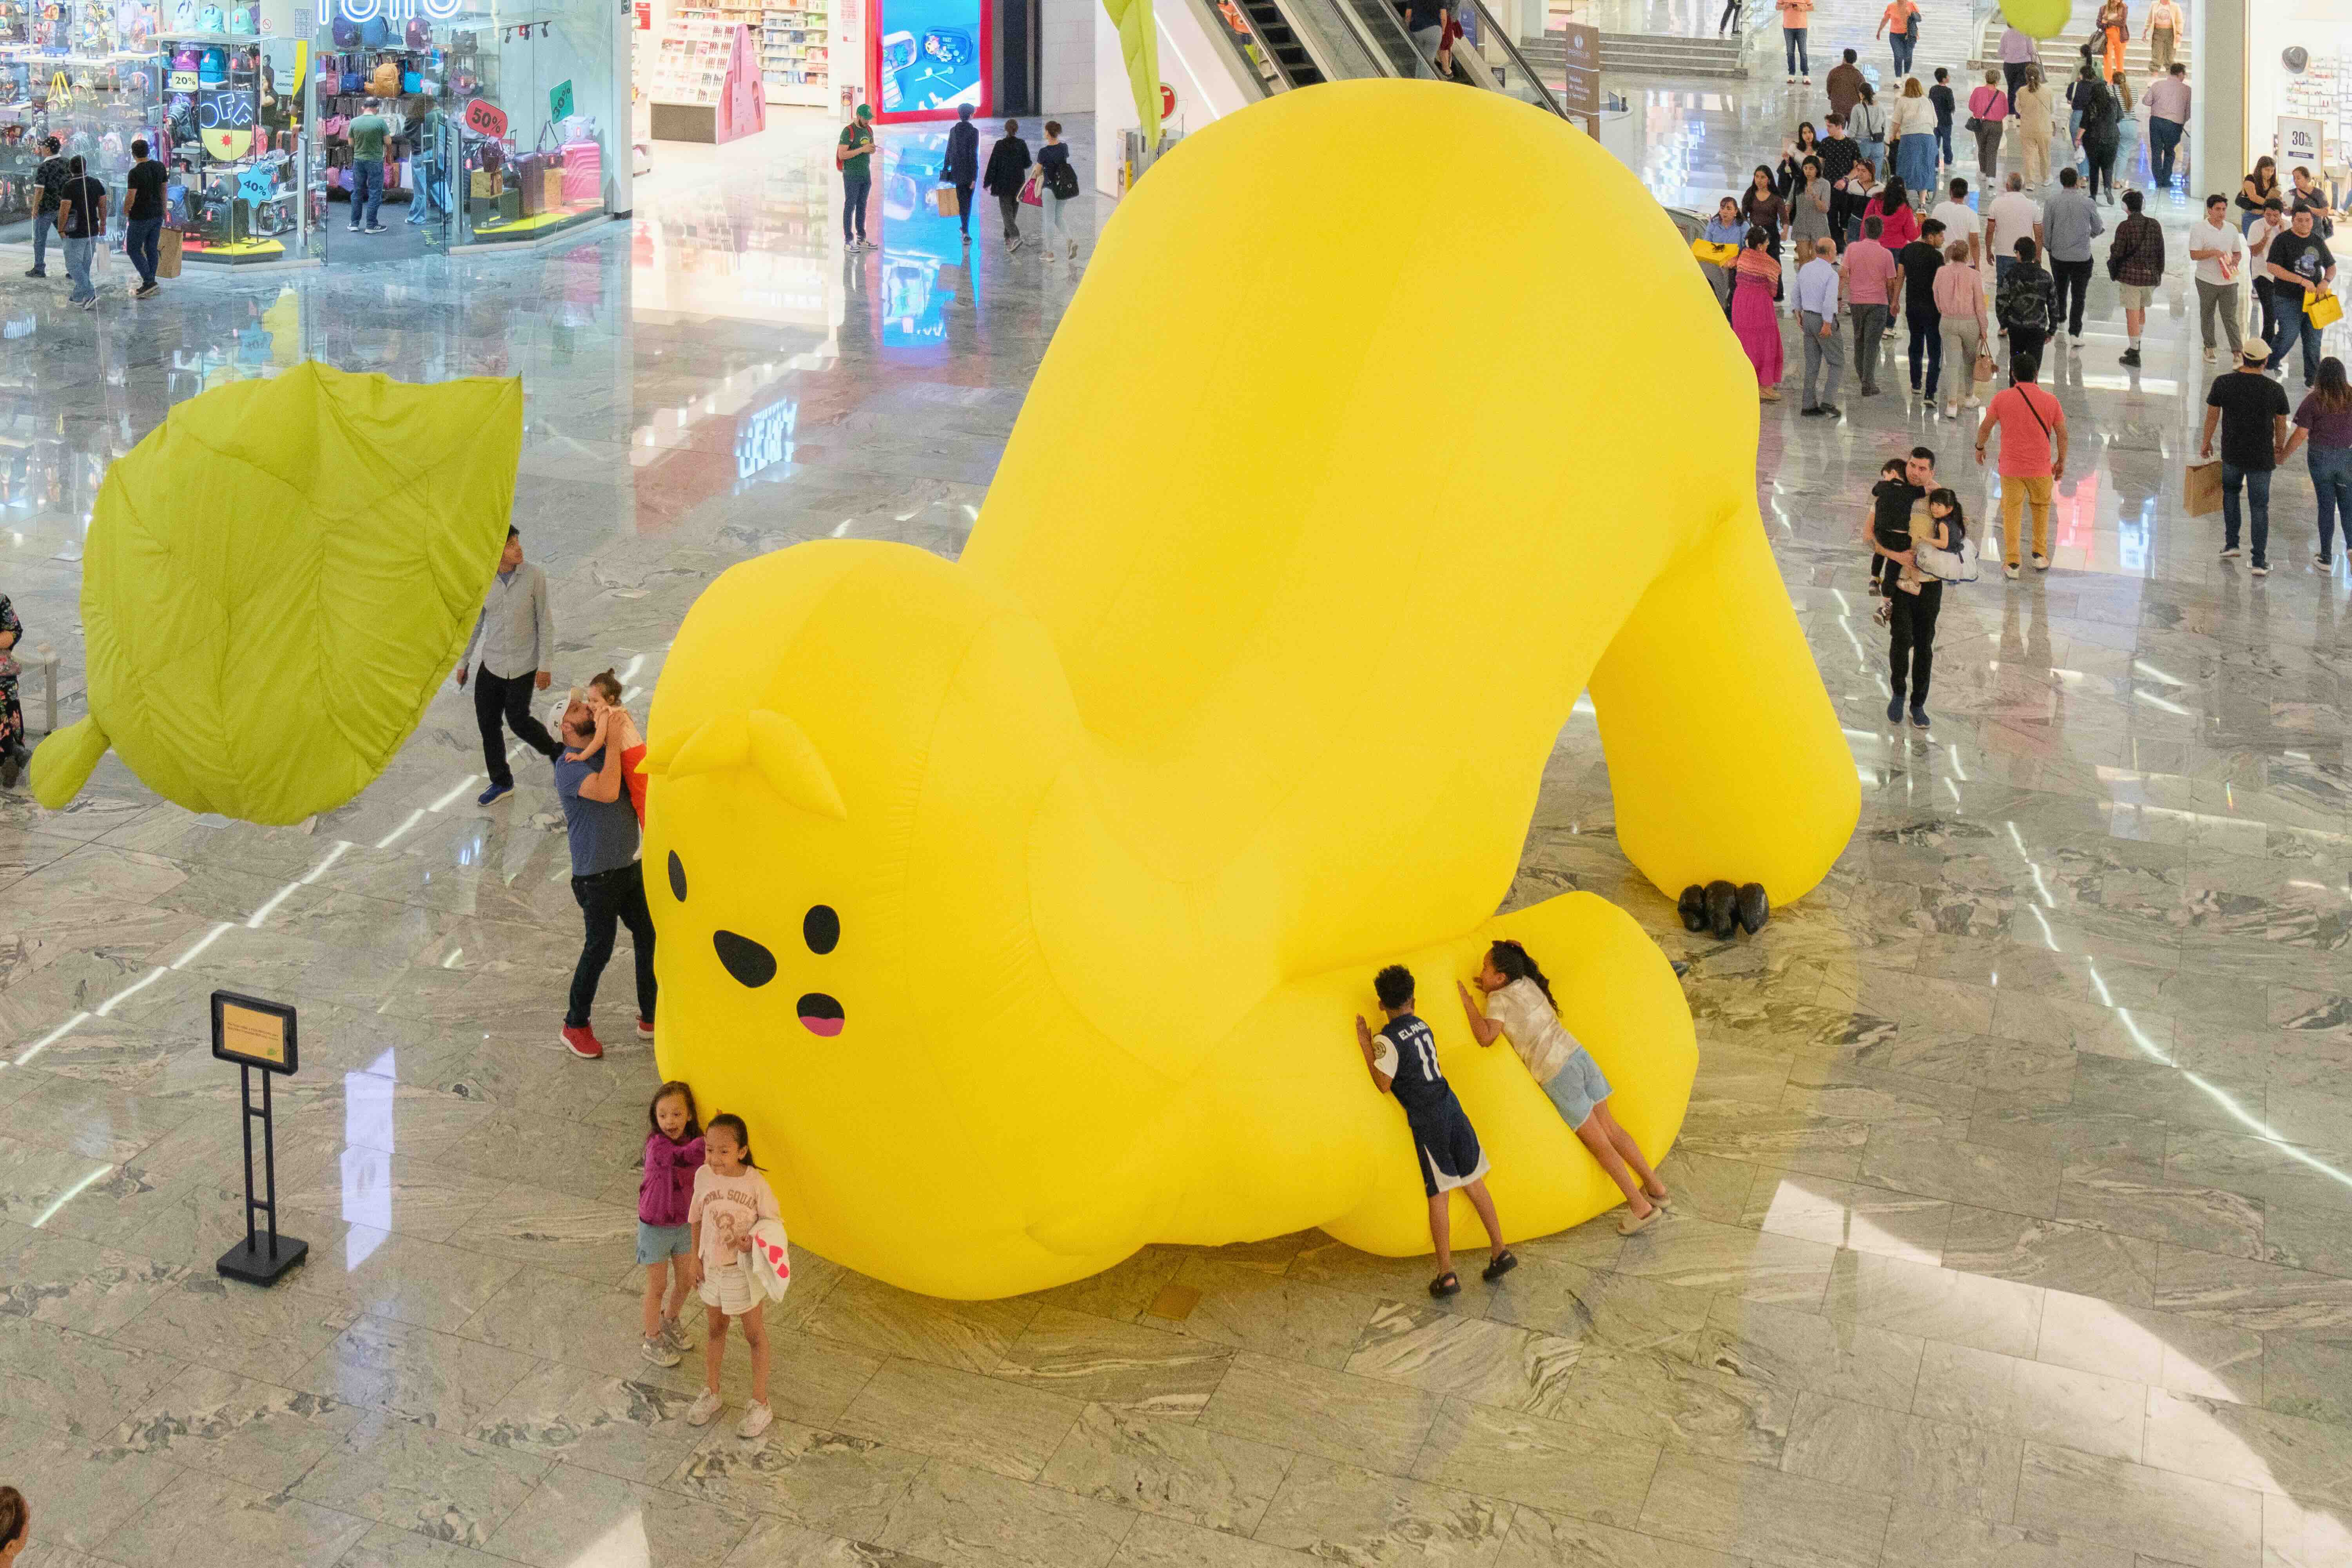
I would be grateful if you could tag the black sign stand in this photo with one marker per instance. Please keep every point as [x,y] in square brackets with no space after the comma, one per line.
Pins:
[259,1261]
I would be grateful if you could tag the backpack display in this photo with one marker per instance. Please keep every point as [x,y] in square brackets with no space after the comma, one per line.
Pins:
[419,36]
[208,20]
[240,21]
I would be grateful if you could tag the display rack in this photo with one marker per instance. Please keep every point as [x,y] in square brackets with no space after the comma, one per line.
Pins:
[706,84]
[2321,93]
[794,47]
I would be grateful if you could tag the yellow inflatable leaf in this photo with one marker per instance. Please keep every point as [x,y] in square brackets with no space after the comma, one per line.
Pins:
[279,578]
[1138,47]
[2037,19]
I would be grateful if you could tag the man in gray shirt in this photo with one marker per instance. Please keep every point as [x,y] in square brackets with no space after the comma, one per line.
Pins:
[606,878]
[510,654]
[2068,224]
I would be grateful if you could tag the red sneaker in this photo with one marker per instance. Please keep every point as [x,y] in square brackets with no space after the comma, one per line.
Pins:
[582,1042]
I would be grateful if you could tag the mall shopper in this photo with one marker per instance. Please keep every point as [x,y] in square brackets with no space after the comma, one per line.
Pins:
[607,880]
[2032,430]
[2304,192]
[1917,265]
[48,188]
[2011,217]
[1867,121]
[2030,102]
[2097,137]
[2113,32]
[426,130]
[2127,137]
[1796,17]
[143,218]
[1913,129]
[664,1237]
[1959,220]
[1870,277]
[1912,609]
[2071,221]
[82,219]
[509,656]
[961,166]
[1892,204]
[367,134]
[1946,108]
[1793,153]
[1054,174]
[2135,261]
[1903,16]
[2252,410]
[2019,59]
[1425,23]
[1724,23]
[2269,225]
[853,154]
[1726,228]
[2025,303]
[1961,317]
[1817,284]
[1838,154]
[2325,418]
[1808,208]
[2259,188]
[13,754]
[2219,252]
[732,1200]
[2166,101]
[1987,109]
[2302,270]
[1844,86]
[2166,27]
[1755,284]
[1008,166]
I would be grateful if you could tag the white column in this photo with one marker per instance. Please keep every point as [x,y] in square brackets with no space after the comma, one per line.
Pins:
[2217,117]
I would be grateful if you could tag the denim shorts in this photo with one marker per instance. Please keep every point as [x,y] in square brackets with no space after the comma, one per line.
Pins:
[659,1243]
[1577,1087]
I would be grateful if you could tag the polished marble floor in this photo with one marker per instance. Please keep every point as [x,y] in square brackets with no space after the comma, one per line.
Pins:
[2017,1218]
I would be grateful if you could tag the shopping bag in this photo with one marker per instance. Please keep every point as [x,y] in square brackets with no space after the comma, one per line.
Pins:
[1029,195]
[167,254]
[2202,488]
[1722,253]
[943,200]
[552,200]
[2323,311]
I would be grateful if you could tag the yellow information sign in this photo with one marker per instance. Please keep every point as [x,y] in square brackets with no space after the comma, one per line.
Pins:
[255,1033]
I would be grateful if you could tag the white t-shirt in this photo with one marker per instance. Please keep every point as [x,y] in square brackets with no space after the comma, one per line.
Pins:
[1533,1028]
[2013,217]
[1958,218]
[2223,237]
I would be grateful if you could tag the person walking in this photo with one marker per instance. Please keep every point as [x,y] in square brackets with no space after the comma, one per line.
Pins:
[1913,128]
[2269,225]
[2030,100]
[1870,278]
[2305,194]
[961,166]
[1988,116]
[1762,208]
[2167,101]
[2025,303]
[1809,205]
[1425,23]
[2135,261]
[1730,18]
[2071,221]
[1867,121]
[1057,185]
[82,219]
[2011,217]
[1946,108]
[2033,430]
[367,134]
[1793,153]
[607,881]
[1818,285]
[1903,16]
[14,757]
[1960,316]
[2165,28]
[1838,154]
[2302,269]
[1891,205]
[1755,284]
[48,190]
[1726,228]
[2128,133]
[2219,252]
[1959,220]
[2097,138]
[2113,30]
[1844,85]
[2251,410]
[2324,420]
[2019,59]
[1912,607]
[1796,19]
[1008,167]
[509,656]
[853,154]
[428,131]
[142,218]
[1917,265]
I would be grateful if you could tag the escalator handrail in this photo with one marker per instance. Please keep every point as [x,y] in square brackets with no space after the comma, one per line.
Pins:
[1381,50]
[1280,80]
[1490,29]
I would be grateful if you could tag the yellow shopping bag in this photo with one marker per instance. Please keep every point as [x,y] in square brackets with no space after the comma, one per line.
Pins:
[2324,310]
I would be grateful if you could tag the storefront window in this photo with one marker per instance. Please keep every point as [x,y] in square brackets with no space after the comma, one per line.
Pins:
[85,73]
[2299,88]
[231,137]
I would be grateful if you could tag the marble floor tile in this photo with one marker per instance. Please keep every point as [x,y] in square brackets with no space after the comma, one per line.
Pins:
[202,1518]
[1935,1303]
[402,1472]
[886,1321]
[263,1435]
[1920,1534]
[1295,1404]
[576,1517]
[78,1384]
[553,1230]
[2316,1240]
[445,1380]
[1539,1540]
[2175,1518]
[1272,1314]
[1848,1214]
[1956,1468]
[2263,1450]
[1120,1292]
[1936,1165]
[845,1484]
[85,1489]
[776,1542]
[2144,1205]
[1161,1466]
[1701,1254]
[2306,1375]
[2035,1400]
[1804,1352]
[1489,1363]
[1157,1541]
[621,1426]
[960,1416]
[2249,1295]
[1658,1396]
[1136,1368]
[954,1515]
[2210,1361]
[1764,1514]
[1565,1468]
[1342,1267]
[1596,1306]
[1342,1513]
[59,1279]
[2296,1536]
[404,1278]
[2049,1254]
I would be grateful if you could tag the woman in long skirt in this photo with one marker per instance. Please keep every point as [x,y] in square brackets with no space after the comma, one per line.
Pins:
[1754,278]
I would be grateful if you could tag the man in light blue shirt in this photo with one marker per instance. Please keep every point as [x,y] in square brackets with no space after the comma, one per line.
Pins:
[1817,305]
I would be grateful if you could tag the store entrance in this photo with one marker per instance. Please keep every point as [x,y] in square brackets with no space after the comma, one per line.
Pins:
[709,74]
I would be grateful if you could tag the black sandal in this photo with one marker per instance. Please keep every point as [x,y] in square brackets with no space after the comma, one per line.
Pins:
[1446,1284]
[1502,1263]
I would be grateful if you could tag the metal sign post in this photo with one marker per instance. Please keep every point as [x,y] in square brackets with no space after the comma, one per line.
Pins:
[258,1035]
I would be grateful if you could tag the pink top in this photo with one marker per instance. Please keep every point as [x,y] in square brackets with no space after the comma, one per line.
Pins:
[1902,224]
[2025,440]
[1960,291]
[1988,104]
[1869,273]
[668,1185]
[726,1207]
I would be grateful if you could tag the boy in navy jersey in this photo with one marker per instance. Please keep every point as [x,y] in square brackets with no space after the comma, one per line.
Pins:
[1402,1060]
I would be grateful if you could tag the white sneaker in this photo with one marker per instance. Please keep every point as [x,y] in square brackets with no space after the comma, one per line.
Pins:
[2208,356]
[674,1334]
[2075,337]
[2231,553]
[2261,571]
[2010,568]
[705,1406]
[2041,562]
[1951,411]
[657,1350]
[755,1421]
[1973,403]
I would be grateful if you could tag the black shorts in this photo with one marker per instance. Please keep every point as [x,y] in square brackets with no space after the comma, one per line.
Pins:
[1447,1147]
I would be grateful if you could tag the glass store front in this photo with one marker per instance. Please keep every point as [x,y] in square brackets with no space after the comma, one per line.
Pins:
[2299,88]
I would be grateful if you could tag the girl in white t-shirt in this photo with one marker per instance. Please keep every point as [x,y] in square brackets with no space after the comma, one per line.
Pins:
[1520,1004]
[731,1197]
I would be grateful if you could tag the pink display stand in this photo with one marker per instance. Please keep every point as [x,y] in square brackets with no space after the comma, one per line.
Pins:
[743,101]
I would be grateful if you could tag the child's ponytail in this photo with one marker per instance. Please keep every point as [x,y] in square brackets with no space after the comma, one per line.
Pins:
[1513,962]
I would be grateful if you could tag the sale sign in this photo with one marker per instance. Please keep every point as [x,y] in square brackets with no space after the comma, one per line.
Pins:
[483,118]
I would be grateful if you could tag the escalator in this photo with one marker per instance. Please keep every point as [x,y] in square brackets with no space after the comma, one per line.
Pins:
[1282,45]
[1293,62]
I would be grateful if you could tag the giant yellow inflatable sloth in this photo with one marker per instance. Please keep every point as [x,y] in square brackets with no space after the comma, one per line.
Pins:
[1022,903]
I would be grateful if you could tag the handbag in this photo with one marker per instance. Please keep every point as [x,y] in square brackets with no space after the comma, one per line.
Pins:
[1722,253]
[2323,311]
[1986,370]
[943,200]
[1029,196]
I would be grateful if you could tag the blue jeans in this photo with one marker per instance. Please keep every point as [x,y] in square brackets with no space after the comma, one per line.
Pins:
[2163,142]
[2287,323]
[420,194]
[1928,340]
[367,191]
[1793,40]
[142,241]
[44,224]
[77,255]
[2257,483]
[2331,481]
[1944,143]
[1874,153]
[1903,44]
[854,189]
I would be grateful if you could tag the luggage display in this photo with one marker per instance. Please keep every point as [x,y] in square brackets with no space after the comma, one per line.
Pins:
[583,174]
